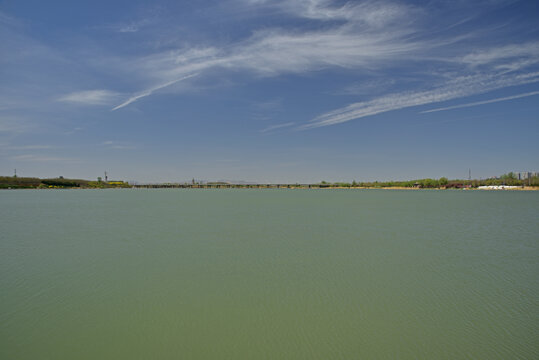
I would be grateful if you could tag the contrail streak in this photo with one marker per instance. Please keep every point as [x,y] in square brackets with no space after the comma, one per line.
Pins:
[150,91]
[483,102]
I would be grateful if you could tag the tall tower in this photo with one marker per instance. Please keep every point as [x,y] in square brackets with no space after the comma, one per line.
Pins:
[106,177]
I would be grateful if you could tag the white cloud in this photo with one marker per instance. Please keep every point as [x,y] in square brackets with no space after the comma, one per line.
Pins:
[135,26]
[369,13]
[276,51]
[150,91]
[278,126]
[109,144]
[366,87]
[273,52]
[26,147]
[131,28]
[91,97]
[316,50]
[483,102]
[527,54]
[359,36]
[456,88]
[41,158]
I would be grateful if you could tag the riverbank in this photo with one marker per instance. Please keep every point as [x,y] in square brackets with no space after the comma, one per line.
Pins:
[273,187]
[13,182]
[421,184]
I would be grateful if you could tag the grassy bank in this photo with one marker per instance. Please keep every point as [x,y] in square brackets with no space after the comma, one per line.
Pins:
[12,182]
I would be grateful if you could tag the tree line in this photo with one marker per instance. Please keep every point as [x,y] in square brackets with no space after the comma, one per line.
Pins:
[509,179]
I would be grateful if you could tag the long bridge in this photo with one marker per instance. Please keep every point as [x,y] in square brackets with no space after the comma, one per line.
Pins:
[229,186]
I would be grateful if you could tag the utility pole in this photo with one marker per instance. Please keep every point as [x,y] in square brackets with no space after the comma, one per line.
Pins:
[15,175]
[106,178]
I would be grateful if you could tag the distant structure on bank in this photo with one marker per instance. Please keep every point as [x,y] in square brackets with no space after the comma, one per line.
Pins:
[527,175]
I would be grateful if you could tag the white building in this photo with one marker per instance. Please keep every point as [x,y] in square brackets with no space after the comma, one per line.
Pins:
[527,174]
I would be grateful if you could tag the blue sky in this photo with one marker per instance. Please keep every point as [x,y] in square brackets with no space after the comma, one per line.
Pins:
[268,91]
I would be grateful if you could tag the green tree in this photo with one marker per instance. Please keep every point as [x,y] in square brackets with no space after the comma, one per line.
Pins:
[509,176]
[443,181]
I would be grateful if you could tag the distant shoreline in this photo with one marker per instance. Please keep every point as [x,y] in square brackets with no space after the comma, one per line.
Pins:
[497,184]
[141,187]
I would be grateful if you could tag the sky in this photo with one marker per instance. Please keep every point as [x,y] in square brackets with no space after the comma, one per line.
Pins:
[268,91]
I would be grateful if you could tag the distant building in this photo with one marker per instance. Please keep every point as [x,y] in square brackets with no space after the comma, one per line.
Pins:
[527,175]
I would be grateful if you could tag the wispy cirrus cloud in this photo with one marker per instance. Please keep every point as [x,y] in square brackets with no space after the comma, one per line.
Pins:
[367,87]
[454,89]
[345,44]
[42,158]
[524,54]
[151,91]
[26,147]
[134,26]
[355,36]
[277,126]
[492,68]
[263,53]
[370,13]
[505,98]
[90,97]
[117,145]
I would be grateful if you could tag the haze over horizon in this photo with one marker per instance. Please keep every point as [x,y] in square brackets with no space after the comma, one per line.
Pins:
[269,91]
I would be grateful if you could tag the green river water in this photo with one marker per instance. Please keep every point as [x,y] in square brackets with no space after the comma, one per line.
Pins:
[269,274]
